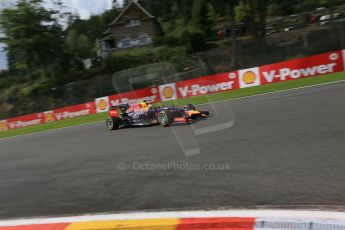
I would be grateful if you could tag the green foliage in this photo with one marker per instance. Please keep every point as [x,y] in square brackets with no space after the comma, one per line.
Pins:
[274,9]
[32,35]
[199,12]
[170,40]
[126,60]
[195,40]
[240,12]
[165,53]
[312,4]
[80,45]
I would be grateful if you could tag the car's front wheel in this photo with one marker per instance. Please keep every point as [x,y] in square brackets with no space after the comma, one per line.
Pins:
[113,123]
[165,118]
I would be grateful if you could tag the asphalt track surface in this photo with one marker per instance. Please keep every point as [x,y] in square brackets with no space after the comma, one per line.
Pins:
[284,148]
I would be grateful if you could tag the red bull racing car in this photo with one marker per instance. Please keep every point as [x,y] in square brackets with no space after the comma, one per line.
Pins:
[144,115]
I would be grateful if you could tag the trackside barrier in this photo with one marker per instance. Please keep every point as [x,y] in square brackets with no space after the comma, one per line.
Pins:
[24,121]
[208,223]
[312,66]
[73,111]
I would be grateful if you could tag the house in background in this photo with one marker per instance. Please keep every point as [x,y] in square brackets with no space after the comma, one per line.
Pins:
[134,27]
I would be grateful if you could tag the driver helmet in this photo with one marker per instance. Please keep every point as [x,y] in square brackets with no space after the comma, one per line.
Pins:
[144,104]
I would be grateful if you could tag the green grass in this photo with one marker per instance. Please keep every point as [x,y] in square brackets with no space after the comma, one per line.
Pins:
[194,100]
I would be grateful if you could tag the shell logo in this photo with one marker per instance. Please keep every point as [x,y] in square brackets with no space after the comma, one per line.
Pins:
[49,116]
[3,126]
[102,104]
[168,92]
[249,77]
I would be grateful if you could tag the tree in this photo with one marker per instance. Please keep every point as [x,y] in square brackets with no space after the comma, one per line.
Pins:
[229,6]
[256,13]
[33,35]
[79,45]
[116,4]
[199,15]
[126,2]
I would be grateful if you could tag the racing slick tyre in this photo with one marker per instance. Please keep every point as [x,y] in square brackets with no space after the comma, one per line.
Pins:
[113,123]
[165,118]
[189,107]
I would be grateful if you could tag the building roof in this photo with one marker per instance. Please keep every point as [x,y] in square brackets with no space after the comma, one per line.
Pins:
[108,38]
[135,3]
[108,31]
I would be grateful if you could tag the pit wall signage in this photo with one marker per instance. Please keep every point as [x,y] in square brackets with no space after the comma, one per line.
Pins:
[312,66]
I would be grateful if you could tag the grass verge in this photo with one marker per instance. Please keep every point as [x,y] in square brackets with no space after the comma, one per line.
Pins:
[195,100]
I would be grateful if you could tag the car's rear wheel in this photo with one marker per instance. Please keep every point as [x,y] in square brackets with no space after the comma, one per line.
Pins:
[165,118]
[113,123]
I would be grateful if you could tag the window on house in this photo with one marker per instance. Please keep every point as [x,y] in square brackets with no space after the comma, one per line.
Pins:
[125,42]
[132,22]
[144,38]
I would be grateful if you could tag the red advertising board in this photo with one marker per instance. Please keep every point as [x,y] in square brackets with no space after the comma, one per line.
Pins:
[149,94]
[199,86]
[207,85]
[74,111]
[24,121]
[316,65]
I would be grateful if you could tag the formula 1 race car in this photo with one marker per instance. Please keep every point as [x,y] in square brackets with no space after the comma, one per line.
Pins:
[125,116]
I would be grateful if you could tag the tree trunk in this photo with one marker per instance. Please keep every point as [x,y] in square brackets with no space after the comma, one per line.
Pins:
[231,13]
[250,12]
[262,8]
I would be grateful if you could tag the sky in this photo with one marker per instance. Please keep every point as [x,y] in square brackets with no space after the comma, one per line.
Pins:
[84,8]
